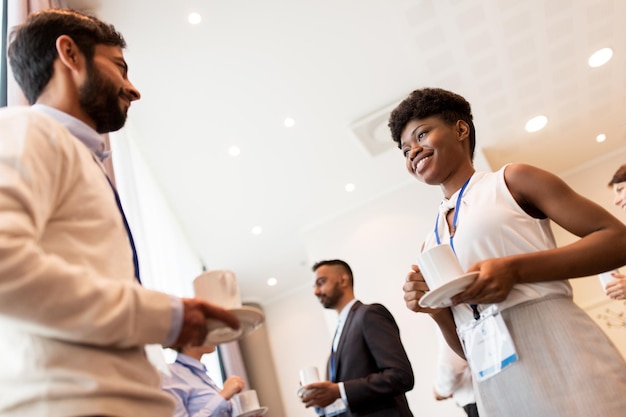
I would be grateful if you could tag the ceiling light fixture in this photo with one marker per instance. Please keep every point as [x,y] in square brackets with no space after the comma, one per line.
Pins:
[257,230]
[194,18]
[601,57]
[350,187]
[601,138]
[272,281]
[289,122]
[234,151]
[536,123]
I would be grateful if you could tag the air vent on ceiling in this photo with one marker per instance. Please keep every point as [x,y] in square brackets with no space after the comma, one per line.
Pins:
[372,131]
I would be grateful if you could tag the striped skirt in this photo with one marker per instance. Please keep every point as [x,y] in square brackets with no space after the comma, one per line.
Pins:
[566,366]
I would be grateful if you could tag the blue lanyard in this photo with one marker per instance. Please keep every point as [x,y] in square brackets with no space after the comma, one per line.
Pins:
[333,370]
[130,235]
[455,219]
[453,232]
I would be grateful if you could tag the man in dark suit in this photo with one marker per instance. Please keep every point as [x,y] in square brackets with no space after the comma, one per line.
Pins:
[368,369]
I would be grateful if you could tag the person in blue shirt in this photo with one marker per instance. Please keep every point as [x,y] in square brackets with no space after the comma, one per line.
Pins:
[195,393]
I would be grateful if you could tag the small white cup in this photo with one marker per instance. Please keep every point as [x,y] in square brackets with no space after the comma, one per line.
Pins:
[606,277]
[245,401]
[439,265]
[309,375]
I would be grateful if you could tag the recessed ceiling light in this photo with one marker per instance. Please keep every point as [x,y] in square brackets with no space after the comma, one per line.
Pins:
[350,187]
[600,57]
[256,230]
[289,122]
[601,138]
[234,151]
[272,281]
[194,18]
[536,123]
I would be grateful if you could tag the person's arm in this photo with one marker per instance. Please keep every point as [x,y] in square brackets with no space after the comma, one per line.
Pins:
[450,370]
[179,396]
[395,374]
[233,385]
[414,288]
[193,329]
[321,394]
[40,167]
[193,397]
[601,247]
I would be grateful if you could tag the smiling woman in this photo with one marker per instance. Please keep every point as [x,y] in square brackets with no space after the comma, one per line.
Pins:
[500,228]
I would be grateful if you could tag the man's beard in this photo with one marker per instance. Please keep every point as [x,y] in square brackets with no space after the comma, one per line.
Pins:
[101,101]
[331,300]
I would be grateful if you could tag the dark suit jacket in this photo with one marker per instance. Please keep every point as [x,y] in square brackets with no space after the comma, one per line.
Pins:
[372,364]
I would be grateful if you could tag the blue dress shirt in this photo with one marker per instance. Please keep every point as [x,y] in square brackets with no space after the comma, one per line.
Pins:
[195,392]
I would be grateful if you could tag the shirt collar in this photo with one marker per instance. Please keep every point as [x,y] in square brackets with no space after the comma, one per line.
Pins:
[190,362]
[341,320]
[345,310]
[88,136]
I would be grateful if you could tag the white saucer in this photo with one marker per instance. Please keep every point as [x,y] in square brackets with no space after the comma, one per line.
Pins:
[249,319]
[440,297]
[254,413]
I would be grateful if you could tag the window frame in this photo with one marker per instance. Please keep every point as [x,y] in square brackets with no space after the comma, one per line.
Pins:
[3,53]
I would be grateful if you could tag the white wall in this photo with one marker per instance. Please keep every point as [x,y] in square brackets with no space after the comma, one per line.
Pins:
[380,248]
[299,338]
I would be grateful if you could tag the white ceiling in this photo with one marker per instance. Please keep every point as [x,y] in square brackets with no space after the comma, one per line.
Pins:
[234,78]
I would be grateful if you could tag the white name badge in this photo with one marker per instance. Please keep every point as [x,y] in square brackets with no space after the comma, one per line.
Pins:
[335,408]
[487,344]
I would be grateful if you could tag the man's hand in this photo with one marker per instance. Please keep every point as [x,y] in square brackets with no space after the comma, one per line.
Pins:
[439,397]
[233,385]
[196,312]
[320,394]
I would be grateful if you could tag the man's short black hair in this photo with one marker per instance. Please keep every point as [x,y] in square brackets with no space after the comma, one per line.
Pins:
[336,262]
[32,51]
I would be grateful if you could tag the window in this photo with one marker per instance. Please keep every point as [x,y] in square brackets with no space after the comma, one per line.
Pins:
[3,53]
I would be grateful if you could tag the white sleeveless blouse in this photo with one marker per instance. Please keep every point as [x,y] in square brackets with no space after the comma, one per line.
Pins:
[491,224]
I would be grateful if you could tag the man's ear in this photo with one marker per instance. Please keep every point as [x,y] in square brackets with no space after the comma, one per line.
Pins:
[345,280]
[68,52]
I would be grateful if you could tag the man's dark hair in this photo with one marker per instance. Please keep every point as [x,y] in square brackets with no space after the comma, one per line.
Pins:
[428,102]
[619,176]
[32,51]
[336,262]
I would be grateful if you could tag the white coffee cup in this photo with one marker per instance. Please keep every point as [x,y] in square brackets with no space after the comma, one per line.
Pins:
[606,277]
[245,401]
[439,265]
[309,375]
